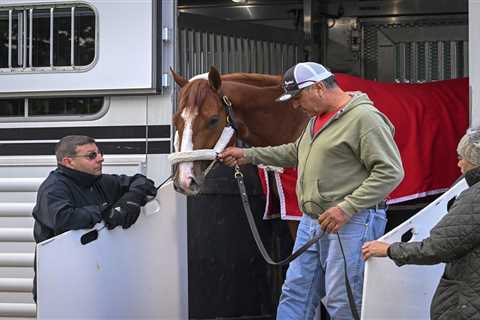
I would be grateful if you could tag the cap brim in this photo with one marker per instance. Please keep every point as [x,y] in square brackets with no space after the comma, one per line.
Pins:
[288,95]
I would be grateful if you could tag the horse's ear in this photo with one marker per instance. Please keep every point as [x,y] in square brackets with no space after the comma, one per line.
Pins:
[181,81]
[214,79]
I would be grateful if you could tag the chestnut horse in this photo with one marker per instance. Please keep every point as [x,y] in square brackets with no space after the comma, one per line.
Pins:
[201,118]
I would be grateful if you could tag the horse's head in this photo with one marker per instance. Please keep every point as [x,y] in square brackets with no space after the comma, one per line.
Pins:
[200,121]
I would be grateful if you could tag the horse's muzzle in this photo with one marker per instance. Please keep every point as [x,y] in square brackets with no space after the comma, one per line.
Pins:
[192,189]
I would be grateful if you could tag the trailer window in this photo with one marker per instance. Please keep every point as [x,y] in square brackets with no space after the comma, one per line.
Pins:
[3,39]
[46,38]
[64,106]
[36,107]
[12,108]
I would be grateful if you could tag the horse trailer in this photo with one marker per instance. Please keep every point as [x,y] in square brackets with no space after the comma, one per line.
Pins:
[102,68]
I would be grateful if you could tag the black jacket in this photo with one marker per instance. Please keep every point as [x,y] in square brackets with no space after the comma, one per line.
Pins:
[70,200]
[455,240]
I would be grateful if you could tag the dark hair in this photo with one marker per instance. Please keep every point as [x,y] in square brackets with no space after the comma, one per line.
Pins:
[67,145]
[330,82]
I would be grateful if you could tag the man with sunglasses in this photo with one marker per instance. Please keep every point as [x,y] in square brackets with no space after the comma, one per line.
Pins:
[77,195]
[347,164]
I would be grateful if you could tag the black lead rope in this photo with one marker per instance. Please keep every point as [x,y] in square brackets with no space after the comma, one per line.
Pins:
[164,181]
[351,300]
[256,235]
[294,255]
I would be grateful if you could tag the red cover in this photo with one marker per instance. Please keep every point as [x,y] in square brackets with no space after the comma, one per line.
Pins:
[429,118]
[284,203]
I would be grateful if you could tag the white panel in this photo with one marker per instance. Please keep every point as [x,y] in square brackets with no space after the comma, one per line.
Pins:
[125,53]
[136,273]
[409,289]
[474,61]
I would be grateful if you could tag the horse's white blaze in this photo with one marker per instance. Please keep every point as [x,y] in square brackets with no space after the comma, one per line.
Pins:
[186,168]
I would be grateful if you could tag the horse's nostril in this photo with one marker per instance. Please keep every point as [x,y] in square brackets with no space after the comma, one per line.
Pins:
[194,186]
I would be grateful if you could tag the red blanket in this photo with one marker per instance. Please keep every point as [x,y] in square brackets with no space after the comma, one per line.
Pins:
[429,119]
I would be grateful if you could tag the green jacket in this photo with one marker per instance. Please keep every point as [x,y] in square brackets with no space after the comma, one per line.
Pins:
[352,162]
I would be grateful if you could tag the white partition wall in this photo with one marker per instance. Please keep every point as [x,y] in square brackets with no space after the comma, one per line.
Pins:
[392,292]
[138,273]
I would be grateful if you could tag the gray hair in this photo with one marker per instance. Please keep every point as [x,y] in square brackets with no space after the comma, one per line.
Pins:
[67,145]
[330,82]
[469,146]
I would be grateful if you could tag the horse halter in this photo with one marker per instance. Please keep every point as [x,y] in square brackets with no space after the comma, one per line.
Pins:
[209,154]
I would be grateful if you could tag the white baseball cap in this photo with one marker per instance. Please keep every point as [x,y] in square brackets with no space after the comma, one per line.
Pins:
[300,76]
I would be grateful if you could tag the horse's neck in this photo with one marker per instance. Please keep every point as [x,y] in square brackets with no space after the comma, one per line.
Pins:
[254,79]
[267,122]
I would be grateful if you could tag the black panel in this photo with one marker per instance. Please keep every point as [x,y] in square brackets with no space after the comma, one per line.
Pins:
[23,149]
[227,277]
[106,132]
[159,131]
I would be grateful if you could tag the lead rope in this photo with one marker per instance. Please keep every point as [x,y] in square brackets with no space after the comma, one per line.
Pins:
[256,236]
[253,227]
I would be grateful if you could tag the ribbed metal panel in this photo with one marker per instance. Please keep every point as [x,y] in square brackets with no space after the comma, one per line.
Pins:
[441,57]
[16,259]
[18,310]
[16,209]
[16,284]
[251,48]
[16,235]
[20,184]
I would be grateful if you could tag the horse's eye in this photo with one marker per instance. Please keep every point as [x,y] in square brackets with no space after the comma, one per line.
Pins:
[213,121]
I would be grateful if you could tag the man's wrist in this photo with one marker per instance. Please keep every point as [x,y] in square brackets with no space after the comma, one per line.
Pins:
[346,209]
[389,252]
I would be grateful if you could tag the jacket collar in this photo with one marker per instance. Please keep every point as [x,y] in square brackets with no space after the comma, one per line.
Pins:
[80,178]
[473,176]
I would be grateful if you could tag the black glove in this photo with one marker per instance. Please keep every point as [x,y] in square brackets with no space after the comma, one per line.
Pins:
[124,212]
[112,217]
[145,186]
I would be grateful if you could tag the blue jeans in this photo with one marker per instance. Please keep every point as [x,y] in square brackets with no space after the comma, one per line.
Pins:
[306,284]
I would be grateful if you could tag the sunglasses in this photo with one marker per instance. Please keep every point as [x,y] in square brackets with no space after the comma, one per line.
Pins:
[90,156]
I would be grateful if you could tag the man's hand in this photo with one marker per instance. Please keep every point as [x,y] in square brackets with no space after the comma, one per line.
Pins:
[232,156]
[374,249]
[124,212]
[113,217]
[333,219]
[144,186]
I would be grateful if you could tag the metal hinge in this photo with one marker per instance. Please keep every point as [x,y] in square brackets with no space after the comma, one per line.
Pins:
[165,80]
[166,34]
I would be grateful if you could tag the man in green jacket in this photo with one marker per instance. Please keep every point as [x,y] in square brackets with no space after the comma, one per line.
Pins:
[347,164]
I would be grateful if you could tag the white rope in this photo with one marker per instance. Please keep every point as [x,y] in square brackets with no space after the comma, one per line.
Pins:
[203,154]
[224,139]
[195,155]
